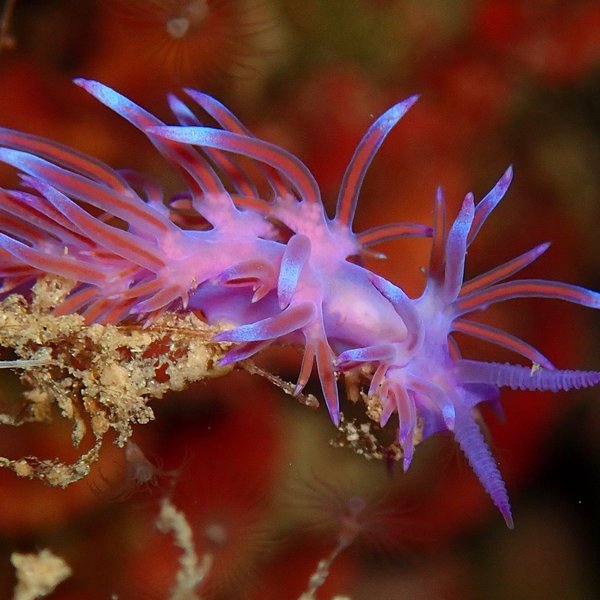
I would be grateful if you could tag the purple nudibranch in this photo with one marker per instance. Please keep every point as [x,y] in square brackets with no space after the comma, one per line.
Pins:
[265,258]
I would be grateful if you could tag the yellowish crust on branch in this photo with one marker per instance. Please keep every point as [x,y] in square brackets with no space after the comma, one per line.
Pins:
[99,377]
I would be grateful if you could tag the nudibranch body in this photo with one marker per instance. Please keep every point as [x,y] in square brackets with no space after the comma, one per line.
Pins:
[275,267]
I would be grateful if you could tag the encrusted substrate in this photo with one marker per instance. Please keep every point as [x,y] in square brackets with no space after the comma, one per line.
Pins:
[100,377]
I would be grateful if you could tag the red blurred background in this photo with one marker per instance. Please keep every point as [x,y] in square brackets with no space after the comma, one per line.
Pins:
[502,81]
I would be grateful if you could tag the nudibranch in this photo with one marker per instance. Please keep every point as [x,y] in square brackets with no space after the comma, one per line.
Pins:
[255,249]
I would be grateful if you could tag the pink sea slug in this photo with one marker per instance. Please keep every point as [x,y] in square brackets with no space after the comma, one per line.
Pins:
[275,267]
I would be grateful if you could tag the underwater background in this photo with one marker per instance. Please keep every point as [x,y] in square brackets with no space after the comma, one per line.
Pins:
[501,82]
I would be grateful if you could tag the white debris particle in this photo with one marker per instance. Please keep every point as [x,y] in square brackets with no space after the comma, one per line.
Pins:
[38,574]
